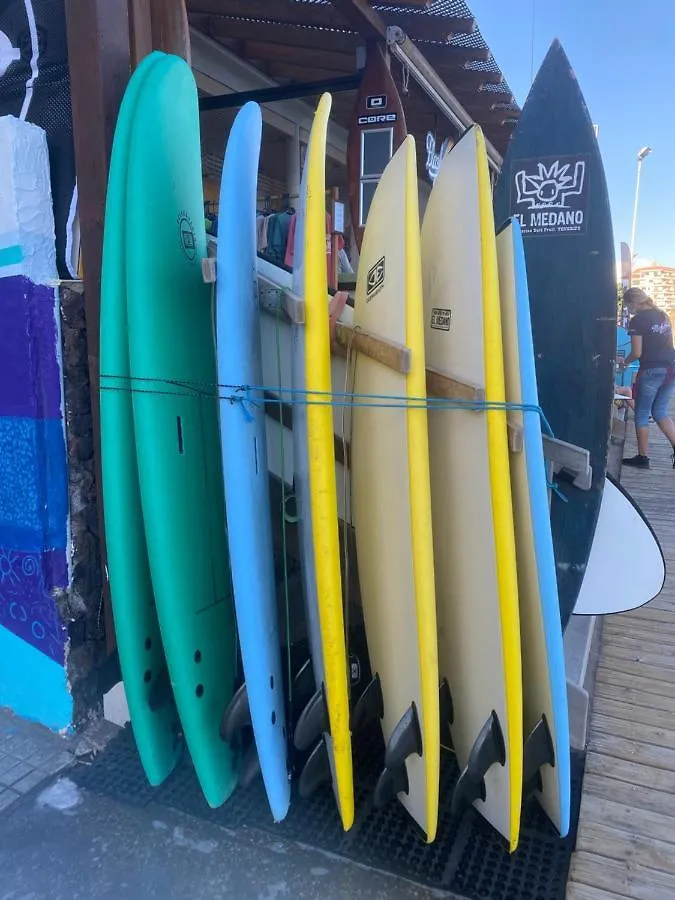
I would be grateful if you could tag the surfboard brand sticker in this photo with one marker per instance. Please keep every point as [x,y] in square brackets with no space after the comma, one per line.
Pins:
[188,240]
[376,101]
[440,319]
[375,279]
[550,194]
[378,119]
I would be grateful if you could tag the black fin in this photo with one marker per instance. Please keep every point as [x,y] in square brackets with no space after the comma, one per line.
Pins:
[538,752]
[249,767]
[370,705]
[160,692]
[237,715]
[405,739]
[312,722]
[390,784]
[488,749]
[316,770]
[304,685]
[447,712]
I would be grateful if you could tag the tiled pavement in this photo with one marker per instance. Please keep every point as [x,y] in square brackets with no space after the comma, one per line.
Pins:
[29,754]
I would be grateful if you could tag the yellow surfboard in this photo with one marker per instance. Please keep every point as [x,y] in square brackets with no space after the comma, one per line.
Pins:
[391,504]
[314,464]
[474,544]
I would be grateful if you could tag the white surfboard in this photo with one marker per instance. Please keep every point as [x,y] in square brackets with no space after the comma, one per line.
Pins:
[622,534]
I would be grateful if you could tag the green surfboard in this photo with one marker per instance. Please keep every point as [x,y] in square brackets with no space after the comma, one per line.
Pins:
[175,410]
[139,642]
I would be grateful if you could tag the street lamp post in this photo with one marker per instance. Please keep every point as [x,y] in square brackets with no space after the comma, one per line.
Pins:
[643,153]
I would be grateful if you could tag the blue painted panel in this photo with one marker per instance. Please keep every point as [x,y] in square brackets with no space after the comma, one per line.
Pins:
[33,484]
[32,685]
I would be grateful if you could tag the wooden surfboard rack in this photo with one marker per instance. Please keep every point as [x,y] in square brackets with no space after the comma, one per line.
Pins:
[560,456]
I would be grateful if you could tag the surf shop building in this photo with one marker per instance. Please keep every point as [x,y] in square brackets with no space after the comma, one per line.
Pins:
[393,70]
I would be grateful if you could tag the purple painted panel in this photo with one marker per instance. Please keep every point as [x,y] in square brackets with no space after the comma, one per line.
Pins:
[27,606]
[30,381]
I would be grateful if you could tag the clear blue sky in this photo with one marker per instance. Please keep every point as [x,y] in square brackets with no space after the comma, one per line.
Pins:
[623,53]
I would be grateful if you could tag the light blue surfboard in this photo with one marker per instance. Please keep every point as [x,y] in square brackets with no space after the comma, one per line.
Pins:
[544,680]
[242,426]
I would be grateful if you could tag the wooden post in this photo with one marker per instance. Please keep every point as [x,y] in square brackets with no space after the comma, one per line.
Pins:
[170,31]
[140,30]
[99,62]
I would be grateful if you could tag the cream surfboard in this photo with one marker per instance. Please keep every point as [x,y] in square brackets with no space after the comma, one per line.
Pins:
[474,546]
[390,497]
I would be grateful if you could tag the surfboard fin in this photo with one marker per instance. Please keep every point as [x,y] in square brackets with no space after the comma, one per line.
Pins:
[538,752]
[405,739]
[447,712]
[250,767]
[488,749]
[370,705]
[160,692]
[304,685]
[316,770]
[237,715]
[390,784]
[313,721]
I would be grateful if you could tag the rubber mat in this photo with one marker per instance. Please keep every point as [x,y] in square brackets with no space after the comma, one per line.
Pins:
[468,857]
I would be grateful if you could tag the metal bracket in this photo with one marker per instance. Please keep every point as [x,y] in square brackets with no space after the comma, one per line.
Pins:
[569,458]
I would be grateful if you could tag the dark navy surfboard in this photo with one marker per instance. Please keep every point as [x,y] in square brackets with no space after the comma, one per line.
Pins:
[553,180]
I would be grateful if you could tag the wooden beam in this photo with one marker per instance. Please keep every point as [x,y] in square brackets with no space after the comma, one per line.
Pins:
[288,35]
[140,30]
[286,12]
[339,62]
[99,59]
[394,356]
[429,28]
[170,31]
[361,15]
[442,56]
[298,72]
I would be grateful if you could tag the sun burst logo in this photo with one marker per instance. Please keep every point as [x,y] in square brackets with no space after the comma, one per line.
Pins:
[550,186]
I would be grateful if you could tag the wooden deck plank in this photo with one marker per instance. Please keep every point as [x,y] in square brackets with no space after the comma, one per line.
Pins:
[656,679]
[646,733]
[627,818]
[632,697]
[634,795]
[626,834]
[620,879]
[613,843]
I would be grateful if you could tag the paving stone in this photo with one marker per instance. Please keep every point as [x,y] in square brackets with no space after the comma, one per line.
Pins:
[56,763]
[11,774]
[7,797]
[28,782]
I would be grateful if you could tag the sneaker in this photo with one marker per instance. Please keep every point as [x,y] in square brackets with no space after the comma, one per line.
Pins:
[639,462]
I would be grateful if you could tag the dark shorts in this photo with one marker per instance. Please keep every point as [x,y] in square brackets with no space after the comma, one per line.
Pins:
[652,392]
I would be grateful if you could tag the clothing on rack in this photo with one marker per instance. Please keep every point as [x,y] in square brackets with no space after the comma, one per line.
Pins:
[278,226]
[261,232]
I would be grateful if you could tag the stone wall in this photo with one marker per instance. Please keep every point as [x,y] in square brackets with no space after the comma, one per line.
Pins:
[81,605]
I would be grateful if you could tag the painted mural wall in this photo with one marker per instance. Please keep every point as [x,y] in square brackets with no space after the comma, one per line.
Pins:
[33,464]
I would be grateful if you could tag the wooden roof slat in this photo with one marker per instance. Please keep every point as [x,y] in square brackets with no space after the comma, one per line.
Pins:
[290,35]
[445,56]
[429,28]
[296,72]
[281,12]
[340,62]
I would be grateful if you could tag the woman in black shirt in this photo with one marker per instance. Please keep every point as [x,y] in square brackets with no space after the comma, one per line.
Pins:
[652,343]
